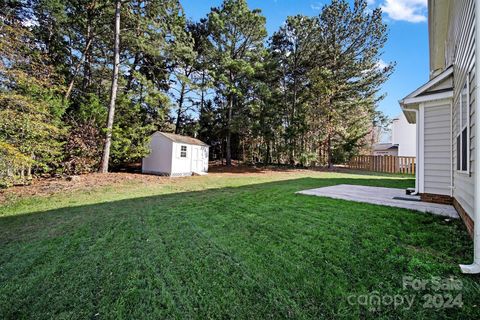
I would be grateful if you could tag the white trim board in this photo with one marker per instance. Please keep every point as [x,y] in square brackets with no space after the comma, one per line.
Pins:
[428,97]
[432,82]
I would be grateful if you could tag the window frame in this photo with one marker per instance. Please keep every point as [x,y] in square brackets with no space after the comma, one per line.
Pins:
[183,153]
[462,127]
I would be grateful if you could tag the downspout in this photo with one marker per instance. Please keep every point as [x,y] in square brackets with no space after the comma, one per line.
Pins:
[417,147]
[452,165]
[475,266]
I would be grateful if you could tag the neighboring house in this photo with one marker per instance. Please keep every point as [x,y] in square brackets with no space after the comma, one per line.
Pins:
[404,136]
[403,140]
[175,155]
[444,110]
[385,149]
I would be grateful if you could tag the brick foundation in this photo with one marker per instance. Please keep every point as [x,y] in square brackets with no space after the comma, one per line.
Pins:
[465,217]
[436,198]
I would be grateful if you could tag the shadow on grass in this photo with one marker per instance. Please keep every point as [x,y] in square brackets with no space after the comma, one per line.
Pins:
[249,169]
[238,169]
[287,186]
[373,173]
[253,251]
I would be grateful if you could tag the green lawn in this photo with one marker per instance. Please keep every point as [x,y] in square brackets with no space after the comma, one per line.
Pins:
[226,246]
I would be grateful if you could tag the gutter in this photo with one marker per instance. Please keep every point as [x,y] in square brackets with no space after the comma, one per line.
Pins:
[475,266]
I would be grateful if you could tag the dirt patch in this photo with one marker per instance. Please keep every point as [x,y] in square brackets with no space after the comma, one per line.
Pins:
[46,187]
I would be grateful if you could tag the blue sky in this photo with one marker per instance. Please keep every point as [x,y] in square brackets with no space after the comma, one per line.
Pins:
[407,43]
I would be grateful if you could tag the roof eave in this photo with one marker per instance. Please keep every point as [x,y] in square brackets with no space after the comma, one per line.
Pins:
[411,102]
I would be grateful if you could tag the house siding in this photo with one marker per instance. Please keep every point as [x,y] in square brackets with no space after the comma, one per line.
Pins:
[460,51]
[437,155]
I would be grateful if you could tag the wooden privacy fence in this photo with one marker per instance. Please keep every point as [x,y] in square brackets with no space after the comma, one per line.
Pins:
[389,164]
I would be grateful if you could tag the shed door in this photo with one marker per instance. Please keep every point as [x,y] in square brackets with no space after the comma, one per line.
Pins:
[197,164]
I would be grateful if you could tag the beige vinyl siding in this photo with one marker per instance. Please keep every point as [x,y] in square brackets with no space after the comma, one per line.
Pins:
[437,154]
[460,52]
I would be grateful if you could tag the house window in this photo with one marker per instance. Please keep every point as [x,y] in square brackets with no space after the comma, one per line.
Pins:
[463,143]
[183,151]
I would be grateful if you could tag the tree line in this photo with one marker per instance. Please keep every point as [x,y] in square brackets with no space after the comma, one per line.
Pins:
[84,83]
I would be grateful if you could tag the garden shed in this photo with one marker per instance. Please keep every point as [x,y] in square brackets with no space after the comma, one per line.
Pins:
[176,155]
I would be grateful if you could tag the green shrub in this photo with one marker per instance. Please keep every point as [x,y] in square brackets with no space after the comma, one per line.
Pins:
[308,159]
[14,166]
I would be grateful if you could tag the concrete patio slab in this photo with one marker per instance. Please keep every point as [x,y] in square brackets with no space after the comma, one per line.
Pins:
[382,196]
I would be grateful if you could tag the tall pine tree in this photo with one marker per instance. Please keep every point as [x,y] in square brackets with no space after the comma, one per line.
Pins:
[237,36]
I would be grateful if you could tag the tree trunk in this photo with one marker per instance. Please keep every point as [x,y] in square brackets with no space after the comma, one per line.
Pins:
[329,151]
[202,97]
[293,123]
[87,73]
[113,92]
[77,69]
[243,152]
[132,70]
[228,151]
[86,54]
[180,107]
[221,152]
[267,153]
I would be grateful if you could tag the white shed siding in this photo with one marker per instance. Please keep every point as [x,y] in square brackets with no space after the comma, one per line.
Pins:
[460,51]
[437,154]
[158,161]
[165,156]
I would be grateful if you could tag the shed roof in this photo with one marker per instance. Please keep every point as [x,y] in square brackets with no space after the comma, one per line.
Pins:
[182,139]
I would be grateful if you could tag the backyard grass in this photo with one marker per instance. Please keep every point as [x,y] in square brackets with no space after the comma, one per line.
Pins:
[227,246]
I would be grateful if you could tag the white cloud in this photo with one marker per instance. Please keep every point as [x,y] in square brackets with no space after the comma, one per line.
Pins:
[381,64]
[406,10]
[316,6]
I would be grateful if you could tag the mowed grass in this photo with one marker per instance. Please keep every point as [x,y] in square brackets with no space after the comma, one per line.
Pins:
[226,246]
